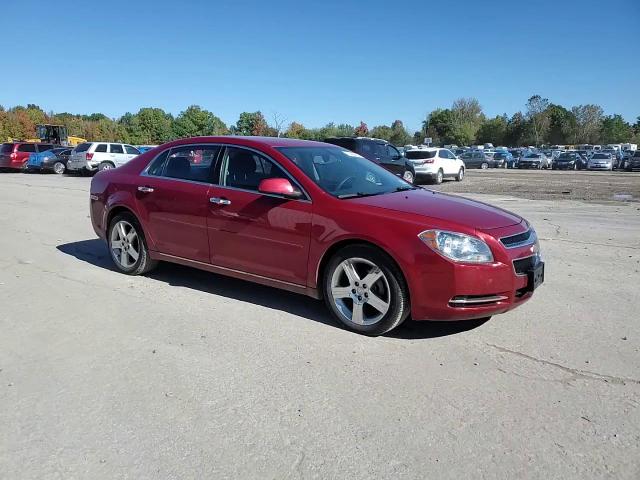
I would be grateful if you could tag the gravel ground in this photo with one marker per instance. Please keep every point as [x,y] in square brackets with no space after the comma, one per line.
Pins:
[602,187]
[184,374]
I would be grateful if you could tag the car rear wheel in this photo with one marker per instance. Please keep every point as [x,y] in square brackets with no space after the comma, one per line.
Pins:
[439,177]
[128,247]
[59,168]
[408,177]
[106,166]
[484,166]
[460,175]
[365,291]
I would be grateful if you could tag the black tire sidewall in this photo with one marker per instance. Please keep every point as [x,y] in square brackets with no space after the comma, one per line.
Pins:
[399,308]
[144,262]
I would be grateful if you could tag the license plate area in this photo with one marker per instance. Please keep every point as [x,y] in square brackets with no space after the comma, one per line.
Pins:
[535,277]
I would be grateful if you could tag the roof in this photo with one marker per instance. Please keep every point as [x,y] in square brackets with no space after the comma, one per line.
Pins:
[253,141]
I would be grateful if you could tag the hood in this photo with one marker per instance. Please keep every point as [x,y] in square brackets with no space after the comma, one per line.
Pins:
[443,207]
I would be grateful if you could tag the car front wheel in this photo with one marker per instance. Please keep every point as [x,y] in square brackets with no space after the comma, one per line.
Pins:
[484,166]
[365,291]
[128,247]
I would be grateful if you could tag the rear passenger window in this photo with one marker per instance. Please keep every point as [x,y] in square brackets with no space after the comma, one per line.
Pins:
[43,147]
[27,147]
[101,148]
[245,169]
[116,148]
[192,162]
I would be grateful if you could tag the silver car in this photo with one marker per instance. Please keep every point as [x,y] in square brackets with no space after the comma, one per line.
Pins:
[600,161]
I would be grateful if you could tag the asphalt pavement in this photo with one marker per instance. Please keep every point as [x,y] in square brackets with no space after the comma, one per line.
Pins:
[184,374]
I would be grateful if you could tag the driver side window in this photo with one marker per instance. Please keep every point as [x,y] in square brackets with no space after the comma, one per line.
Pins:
[245,169]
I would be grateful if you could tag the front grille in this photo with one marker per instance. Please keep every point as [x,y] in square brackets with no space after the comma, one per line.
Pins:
[518,240]
[523,265]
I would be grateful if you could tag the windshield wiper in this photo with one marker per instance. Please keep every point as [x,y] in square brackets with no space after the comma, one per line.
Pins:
[359,194]
[405,188]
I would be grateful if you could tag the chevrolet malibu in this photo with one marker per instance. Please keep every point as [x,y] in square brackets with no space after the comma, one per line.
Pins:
[319,220]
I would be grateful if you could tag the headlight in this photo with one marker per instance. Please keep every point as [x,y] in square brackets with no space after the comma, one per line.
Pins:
[457,246]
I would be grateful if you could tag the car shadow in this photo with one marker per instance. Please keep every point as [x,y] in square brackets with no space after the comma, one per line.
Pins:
[95,253]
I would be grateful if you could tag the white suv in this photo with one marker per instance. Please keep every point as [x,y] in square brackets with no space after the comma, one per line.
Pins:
[92,156]
[435,164]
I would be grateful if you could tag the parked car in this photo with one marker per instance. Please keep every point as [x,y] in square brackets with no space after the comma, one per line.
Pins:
[435,164]
[477,159]
[633,162]
[316,219]
[600,161]
[569,161]
[534,160]
[54,160]
[515,155]
[94,156]
[380,152]
[14,155]
[616,157]
[503,159]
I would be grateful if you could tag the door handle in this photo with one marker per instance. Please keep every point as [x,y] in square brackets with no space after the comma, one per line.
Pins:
[220,201]
[145,189]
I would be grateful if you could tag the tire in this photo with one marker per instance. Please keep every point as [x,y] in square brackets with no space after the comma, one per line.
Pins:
[575,166]
[59,168]
[408,177]
[388,288]
[126,261]
[484,165]
[460,175]
[106,166]
[439,177]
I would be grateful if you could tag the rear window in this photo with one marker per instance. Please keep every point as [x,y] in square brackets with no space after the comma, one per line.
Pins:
[6,148]
[27,147]
[420,154]
[83,147]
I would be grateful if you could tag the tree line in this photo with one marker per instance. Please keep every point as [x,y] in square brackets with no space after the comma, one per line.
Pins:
[464,123]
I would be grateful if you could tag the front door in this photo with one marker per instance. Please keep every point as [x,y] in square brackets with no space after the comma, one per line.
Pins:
[173,198]
[252,232]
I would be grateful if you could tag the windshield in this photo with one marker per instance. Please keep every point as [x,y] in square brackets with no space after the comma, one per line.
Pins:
[6,148]
[567,156]
[500,155]
[533,155]
[420,154]
[342,173]
[600,156]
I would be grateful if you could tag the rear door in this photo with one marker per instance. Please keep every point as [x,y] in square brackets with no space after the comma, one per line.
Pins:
[131,152]
[173,199]
[117,154]
[252,232]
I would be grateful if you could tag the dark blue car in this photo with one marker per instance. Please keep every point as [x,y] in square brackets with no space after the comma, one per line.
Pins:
[53,160]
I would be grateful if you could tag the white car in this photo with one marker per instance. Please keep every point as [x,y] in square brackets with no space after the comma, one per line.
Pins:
[435,164]
[92,156]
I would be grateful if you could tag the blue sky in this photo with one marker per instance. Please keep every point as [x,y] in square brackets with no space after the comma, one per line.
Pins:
[316,62]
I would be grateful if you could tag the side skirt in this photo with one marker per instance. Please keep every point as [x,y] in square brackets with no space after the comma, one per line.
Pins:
[230,272]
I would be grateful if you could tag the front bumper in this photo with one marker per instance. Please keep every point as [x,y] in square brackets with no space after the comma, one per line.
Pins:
[449,291]
[600,167]
[522,164]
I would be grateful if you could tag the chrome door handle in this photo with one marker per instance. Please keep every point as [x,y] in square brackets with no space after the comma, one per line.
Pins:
[145,189]
[220,201]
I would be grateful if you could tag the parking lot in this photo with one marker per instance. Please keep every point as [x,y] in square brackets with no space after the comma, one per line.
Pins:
[186,374]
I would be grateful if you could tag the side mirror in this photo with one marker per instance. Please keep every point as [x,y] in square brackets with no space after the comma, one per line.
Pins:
[279,186]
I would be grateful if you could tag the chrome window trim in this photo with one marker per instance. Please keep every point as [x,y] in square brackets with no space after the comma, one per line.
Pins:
[268,157]
[144,172]
[478,300]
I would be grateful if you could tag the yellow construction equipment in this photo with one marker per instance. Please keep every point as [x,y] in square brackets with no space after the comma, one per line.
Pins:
[56,134]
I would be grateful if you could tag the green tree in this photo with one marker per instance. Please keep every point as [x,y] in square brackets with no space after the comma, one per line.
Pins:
[588,123]
[439,126]
[493,131]
[538,117]
[196,122]
[561,124]
[516,130]
[399,134]
[381,131]
[296,130]
[250,124]
[615,130]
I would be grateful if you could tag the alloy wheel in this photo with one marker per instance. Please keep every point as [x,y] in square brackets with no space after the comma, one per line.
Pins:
[59,168]
[125,244]
[408,176]
[360,291]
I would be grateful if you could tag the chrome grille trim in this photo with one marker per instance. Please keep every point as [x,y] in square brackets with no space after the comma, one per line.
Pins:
[520,239]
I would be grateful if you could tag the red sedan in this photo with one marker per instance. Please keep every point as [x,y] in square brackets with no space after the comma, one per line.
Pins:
[320,220]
